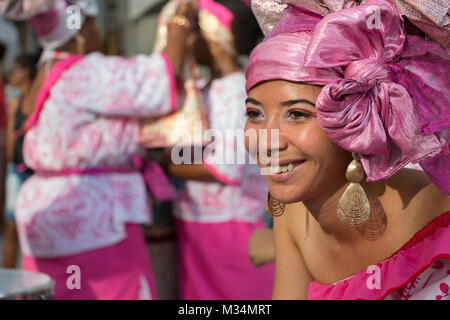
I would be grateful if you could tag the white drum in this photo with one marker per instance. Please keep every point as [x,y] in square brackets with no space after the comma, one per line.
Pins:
[23,285]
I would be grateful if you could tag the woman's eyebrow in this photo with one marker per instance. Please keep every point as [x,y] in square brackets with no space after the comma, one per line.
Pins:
[292,102]
[253,101]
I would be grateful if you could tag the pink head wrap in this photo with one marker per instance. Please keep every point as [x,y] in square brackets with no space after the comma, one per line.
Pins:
[215,23]
[386,94]
[48,18]
[222,14]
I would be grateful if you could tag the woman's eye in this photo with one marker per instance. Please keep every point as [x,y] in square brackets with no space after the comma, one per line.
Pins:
[297,115]
[253,114]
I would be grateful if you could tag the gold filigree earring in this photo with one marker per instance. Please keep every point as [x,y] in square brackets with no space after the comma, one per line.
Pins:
[354,208]
[276,207]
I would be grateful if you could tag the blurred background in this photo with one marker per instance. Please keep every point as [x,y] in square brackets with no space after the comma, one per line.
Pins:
[128,28]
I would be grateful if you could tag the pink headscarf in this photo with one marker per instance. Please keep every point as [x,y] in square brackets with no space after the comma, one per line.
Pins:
[48,18]
[222,14]
[215,23]
[386,94]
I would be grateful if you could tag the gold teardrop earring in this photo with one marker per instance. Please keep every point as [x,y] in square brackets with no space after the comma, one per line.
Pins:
[276,207]
[354,208]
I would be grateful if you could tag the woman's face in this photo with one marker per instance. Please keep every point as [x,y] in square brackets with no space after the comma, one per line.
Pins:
[313,165]
[18,76]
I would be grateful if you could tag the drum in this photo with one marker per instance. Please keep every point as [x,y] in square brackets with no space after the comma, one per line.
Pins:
[22,285]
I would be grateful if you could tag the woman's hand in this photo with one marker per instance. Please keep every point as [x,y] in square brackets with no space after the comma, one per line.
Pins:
[181,33]
[149,138]
[261,247]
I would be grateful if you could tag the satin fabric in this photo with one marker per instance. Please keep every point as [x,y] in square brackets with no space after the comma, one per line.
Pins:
[430,16]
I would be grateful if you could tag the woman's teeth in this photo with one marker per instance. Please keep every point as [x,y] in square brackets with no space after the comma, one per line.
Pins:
[282,169]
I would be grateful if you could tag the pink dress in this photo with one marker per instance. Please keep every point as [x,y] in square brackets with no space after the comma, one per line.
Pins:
[215,220]
[85,203]
[420,270]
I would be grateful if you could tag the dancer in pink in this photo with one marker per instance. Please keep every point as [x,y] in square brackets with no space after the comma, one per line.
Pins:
[79,216]
[357,92]
[220,205]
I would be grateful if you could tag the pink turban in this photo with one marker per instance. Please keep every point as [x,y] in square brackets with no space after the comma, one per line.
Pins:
[386,95]
[48,18]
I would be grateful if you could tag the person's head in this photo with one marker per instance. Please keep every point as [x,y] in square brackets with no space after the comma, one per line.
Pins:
[227,29]
[86,41]
[334,85]
[23,71]
[69,25]
[315,165]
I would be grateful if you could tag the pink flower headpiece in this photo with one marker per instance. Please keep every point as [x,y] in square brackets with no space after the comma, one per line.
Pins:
[386,94]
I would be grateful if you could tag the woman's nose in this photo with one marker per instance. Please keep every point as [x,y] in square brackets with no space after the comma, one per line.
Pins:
[272,141]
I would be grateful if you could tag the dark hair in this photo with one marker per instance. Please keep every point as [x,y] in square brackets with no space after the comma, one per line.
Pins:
[2,51]
[245,28]
[28,61]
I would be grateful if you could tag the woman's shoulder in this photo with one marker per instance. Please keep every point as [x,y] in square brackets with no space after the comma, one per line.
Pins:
[418,194]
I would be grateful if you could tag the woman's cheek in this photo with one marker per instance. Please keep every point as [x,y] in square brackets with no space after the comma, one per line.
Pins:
[251,139]
[306,138]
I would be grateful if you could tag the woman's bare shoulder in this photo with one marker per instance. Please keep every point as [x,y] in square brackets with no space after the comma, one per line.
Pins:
[419,194]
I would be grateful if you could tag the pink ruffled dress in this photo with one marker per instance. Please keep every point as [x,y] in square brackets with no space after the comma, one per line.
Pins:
[419,270]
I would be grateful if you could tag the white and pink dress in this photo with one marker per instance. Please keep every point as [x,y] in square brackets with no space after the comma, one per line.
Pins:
[215,220]
[86,202]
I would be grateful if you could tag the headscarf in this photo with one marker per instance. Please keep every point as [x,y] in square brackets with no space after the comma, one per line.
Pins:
[386,94]
[49,18]
[215,24]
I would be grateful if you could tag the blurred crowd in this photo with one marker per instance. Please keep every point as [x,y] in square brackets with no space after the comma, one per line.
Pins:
[88,180]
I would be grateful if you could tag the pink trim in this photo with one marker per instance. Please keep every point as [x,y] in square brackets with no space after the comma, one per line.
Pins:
[219,176]
[172,84]
[417,255]
[50,80]
[90,171]
[222,14]
[414,276]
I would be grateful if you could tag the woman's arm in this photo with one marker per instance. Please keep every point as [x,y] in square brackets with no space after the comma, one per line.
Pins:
[10,138]
[261,247]
[292,277]
[196,172]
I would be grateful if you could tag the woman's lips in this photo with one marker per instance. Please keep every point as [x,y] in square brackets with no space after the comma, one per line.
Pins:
[284,171]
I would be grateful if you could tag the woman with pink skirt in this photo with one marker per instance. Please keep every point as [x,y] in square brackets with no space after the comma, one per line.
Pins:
[79,216]
[220,204]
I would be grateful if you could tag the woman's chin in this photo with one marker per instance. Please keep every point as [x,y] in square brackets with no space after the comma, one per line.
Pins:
[286,194]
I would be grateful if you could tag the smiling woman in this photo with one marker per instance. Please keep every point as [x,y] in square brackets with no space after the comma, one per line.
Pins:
[344,112]
[303,145]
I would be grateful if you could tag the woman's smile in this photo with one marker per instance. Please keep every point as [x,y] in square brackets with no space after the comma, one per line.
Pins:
[284,171]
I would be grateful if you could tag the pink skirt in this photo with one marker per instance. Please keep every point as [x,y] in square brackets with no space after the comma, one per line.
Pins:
[214,262]
[118,272]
